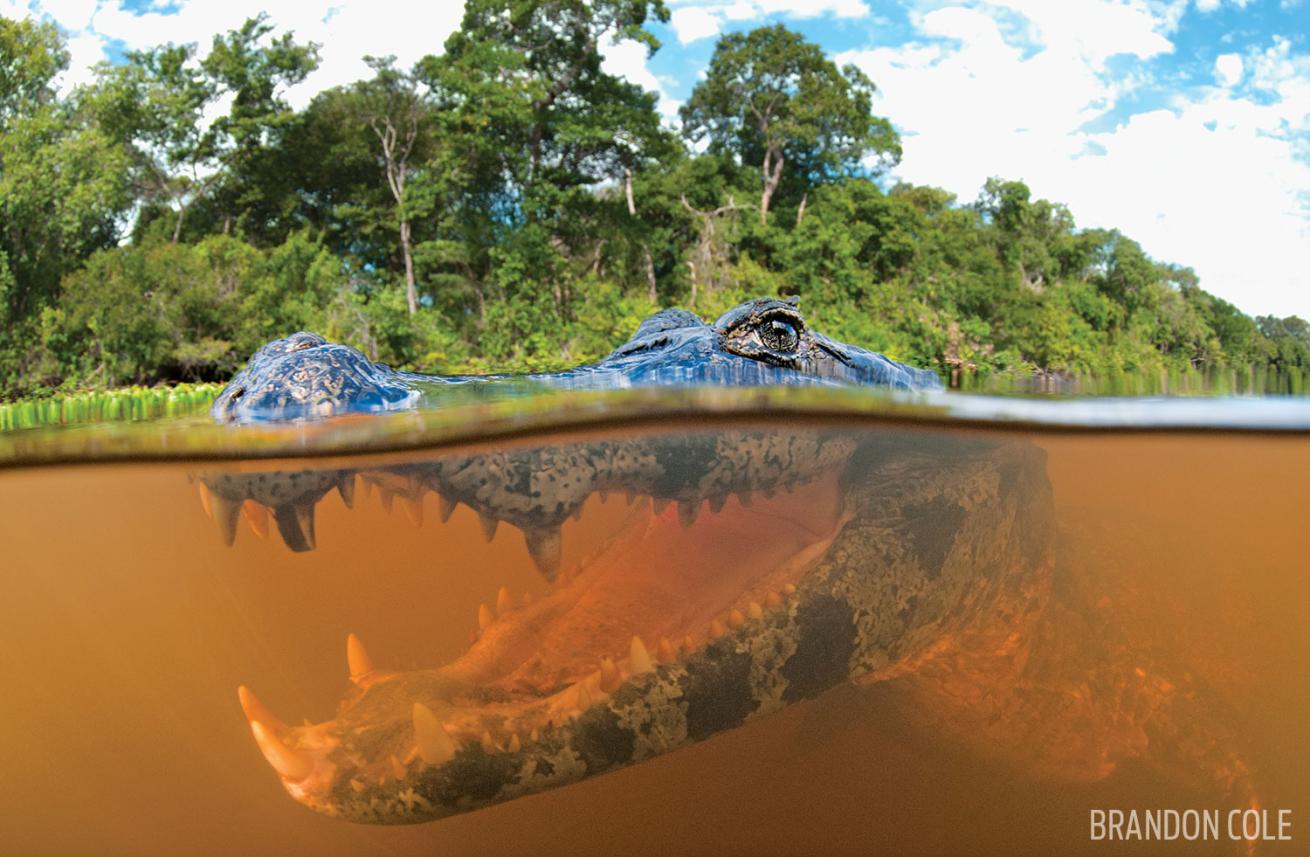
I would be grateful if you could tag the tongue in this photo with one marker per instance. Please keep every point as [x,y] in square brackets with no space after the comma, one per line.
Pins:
[659,578]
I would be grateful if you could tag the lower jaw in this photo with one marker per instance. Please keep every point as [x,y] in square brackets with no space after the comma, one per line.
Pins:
[657,598]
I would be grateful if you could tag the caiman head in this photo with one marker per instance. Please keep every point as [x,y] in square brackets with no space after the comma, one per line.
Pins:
[761,342]
[755,568]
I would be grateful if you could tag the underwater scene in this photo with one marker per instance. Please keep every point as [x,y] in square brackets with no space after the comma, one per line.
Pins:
[820,623]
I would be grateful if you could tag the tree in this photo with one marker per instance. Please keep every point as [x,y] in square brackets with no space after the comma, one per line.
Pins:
[773,99]
[31,55]
[394,109]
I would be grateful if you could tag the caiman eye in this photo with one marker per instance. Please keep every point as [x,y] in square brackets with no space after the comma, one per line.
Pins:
[779,334]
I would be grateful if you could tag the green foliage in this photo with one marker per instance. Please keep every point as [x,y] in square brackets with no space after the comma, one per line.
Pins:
[508,205]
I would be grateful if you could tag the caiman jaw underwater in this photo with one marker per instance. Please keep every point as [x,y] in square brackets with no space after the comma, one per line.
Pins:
[824,556]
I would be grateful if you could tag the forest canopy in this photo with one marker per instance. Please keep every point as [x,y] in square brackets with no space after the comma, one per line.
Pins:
[508,204]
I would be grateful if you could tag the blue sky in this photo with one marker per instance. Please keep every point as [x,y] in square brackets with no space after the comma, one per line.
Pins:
[1184,123]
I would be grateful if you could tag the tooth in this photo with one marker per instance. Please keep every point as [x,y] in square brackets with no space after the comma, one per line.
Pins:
[489,525]
[397,769]
[610,677]
[638,657]
[488,746]
[357,659]
[346,488]
[357,785]
[445,507]
[414,507]
[206,501]
[534,736]
[665,651]
[386,496]
[290,764]
[629,497]
[789,588]
[735,619]
[502,601]
[755,611]
[717,630]
[773,601]
[768,493]
[584,697]
[258,711]
[226,513]
[296,524]
[577,514]
[435,746]
[687,512]
[716,503]
[544,546]
[746,498]
[484,617]
[659,504]
[687,646]
[514,744]
[256,515]
[603,494]
[366,487]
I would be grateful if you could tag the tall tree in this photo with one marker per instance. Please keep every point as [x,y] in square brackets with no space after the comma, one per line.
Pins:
[774,99]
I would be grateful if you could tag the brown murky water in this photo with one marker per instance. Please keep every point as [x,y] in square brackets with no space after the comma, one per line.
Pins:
[126,627]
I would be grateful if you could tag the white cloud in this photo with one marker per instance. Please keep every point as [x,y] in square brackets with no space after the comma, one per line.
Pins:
[694,23]
[1228,69]
[629,61]
[699,19]
[1219,180]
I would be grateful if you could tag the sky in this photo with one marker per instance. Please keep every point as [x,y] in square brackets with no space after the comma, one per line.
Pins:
[1185,124]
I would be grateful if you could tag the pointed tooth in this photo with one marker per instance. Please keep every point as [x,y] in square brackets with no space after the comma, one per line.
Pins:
[357,659]
[629,497]
[735,619]
[789,588]
[514,744]
[387,496]
[659,504]
[414,508]
[290,764]
[366,487]
[206,499]
[746,498]
[754,610]
[296,524]
[488,745]
[577,514]
[445,507]
[716,503]
[485,618]
[603,494]
[346,488]
[534,736]
[256,515]
[258,711]
[610,677]
[584,696]
[545,547]
[638,657]
[665,651]
[397,768]
[503,604]
[489,524]
[717,630]
[226,513]
[687,646]
[773,601]
[687,512]
[435,746]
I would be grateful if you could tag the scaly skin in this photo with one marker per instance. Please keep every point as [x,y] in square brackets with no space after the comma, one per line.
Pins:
[920,560]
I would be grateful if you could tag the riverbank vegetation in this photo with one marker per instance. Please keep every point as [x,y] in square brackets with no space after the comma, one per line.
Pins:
[508,204]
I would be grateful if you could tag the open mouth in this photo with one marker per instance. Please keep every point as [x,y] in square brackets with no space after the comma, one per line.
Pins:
[631,652]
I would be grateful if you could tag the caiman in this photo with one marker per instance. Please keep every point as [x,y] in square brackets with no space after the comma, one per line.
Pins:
[758,567]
